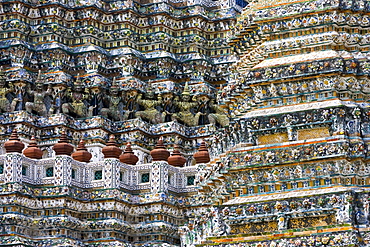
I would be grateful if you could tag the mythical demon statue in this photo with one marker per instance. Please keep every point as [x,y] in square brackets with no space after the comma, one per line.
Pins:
[81,101]
[168,107]
[4,91]
[58,96]
[150,113]
[78,98]
[114,99]
[219,116]
[39,94]
[185,115]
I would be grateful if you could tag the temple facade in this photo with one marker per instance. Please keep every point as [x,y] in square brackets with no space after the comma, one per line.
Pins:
[184,123]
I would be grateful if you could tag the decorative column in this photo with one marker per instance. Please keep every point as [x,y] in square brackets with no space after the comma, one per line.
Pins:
[159,168]
[111,160]
[13,159]
[159,177]
[63,161]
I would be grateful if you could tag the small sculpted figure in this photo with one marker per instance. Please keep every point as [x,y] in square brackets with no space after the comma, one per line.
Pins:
[131,104]
[201,117]
[20,96]
[38,105]
[77,105]
[114,100]
[150,113]
[58,96]
[168,107]
[96,100]
[185,115]
[219,116]
[4,91]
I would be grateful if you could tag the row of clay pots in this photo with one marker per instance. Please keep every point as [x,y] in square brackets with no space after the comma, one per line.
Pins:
[159,153]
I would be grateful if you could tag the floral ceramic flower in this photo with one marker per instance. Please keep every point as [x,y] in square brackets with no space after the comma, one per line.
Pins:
[279,206]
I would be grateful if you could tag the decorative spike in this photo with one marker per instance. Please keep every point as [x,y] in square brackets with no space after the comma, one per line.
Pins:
[186,90]
[39,75]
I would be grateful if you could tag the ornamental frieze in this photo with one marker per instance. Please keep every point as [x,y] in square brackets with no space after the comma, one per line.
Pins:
[298,153]
[340,18]
[309,7]
[123,63]
[335,238]
[71,10]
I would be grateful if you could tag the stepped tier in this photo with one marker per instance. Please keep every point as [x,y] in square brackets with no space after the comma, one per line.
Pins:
[151,41]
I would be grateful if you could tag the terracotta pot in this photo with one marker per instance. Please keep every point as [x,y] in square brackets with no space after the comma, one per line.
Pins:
[160,153]
[82,154]
[128,156]
[202,156]
[14,145]
[111,150]
[176,159]
[63,147]
[33,151]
